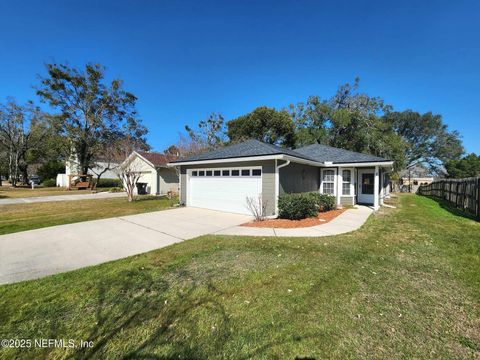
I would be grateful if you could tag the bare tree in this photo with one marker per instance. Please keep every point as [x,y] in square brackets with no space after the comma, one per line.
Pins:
[257,207]
[129,173]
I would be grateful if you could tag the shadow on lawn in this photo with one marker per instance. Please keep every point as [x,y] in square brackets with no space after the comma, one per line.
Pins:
[177,325]
[171,323]
[451,208]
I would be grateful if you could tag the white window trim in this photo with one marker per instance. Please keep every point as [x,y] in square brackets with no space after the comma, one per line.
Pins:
[334,180]
[352,183]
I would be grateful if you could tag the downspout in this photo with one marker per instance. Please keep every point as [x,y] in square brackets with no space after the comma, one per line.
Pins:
[277,183]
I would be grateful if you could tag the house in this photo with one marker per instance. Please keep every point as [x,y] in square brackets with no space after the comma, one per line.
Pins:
[156,177]
[222,179]
[104,167]
[411,178]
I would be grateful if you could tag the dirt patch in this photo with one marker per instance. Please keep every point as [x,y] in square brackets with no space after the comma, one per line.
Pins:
[321,218]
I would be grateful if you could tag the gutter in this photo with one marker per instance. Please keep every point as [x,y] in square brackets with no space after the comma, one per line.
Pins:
[277,183]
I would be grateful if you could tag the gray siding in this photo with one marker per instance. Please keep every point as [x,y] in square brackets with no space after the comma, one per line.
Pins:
[268,179]
[347,200]
[295,178]
[168,180]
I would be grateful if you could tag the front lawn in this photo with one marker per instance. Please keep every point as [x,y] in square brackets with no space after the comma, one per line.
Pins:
[406,285]
[7,192]
[21,217]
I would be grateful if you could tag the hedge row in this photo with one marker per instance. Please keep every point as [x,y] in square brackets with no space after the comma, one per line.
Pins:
[302,205]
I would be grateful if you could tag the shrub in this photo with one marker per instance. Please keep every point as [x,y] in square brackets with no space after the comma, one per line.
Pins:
[50,169]
[324,202]
[297,206]
[109,183]
[49,183]
[257,207]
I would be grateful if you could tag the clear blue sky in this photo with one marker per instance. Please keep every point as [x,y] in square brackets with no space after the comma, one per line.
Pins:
[184,60]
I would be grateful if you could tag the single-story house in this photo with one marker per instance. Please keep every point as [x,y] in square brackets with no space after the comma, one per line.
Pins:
[106,168]
[222,179]
[156,177]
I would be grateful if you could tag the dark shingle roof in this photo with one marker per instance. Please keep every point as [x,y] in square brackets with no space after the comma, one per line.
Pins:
[322,153]
[245,149]
[315,152]
[157,159]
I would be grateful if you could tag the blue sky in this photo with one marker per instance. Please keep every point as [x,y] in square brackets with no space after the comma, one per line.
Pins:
[187,59]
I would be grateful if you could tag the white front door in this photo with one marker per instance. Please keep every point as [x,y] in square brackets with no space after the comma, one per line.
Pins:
[366,179]
[224,189]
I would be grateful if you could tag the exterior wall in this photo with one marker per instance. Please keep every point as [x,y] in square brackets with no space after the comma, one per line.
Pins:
[147,175]
[296,178]
[167,180]
[347,200]
[268,179]
[71,167]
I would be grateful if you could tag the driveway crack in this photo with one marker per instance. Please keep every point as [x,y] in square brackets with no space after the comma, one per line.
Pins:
[150,228]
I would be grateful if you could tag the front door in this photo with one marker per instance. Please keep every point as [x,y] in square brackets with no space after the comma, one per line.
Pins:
[366,179]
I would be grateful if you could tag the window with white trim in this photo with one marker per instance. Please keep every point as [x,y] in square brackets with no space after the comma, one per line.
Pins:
[328,182]
[346,182]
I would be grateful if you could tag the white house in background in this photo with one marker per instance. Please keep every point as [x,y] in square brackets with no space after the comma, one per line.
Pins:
[156,177]
[72,167]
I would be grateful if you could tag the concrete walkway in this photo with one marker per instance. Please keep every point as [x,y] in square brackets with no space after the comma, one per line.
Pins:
[37,253]
[38,199]
[350,220]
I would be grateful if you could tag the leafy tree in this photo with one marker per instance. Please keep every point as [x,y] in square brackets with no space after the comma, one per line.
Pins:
[310,121]
[264,124]
[428,140]
[50,169]
[22,131]
[210,133]
[468,166]
[94,115]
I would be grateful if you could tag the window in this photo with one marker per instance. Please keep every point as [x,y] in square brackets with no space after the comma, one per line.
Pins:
[346,181]
[235,172]
[256,172]
[201,173]
[216,173]
[194,173]
[225,172]
[245,172]
[328,182]
[209,172]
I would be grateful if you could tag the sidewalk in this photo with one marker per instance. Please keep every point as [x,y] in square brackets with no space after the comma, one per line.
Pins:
[38,199]
[350,220]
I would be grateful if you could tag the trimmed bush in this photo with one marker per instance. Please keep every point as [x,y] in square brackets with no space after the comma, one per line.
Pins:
[324,202]
[49,183]
[109,183]
[297,206]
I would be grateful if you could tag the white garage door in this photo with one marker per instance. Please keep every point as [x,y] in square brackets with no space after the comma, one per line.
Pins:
[224,189]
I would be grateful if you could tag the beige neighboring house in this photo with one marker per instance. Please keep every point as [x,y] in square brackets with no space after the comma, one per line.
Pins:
[156,178]
[411,179]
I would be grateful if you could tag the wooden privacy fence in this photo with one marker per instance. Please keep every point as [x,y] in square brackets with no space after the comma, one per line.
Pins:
[464,194]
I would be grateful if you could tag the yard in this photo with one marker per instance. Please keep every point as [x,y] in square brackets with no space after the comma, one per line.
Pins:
[21,217]
[405,285]
[8,192]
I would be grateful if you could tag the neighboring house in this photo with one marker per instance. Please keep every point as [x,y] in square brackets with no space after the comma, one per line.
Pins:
[411,178]
[223,178]
[155,176]
[72,167]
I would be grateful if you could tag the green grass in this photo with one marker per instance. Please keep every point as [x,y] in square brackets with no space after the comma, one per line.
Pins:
[7,192]
[406,285]
[21,217]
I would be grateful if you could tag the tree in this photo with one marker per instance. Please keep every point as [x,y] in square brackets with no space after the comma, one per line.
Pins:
[264,124]
[310,120]
[468,166]
[93,115]
[22,131]
[210,133]
[428,140]
[50,169]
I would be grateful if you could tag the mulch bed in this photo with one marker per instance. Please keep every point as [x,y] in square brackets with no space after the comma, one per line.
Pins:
[322,218]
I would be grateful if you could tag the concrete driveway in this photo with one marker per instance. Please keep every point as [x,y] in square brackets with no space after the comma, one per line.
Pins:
[37,253]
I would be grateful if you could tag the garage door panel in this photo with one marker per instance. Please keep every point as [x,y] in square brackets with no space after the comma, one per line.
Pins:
[223,193]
